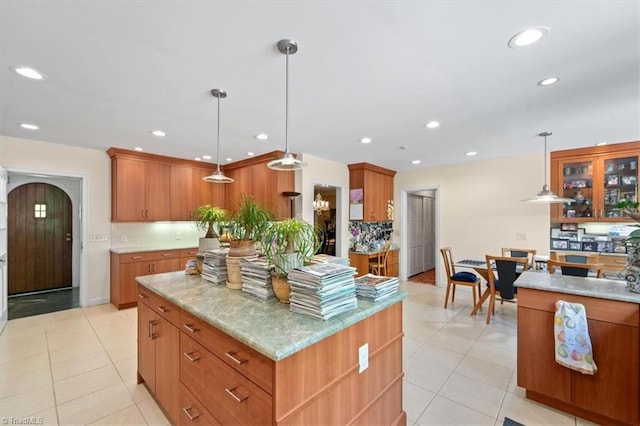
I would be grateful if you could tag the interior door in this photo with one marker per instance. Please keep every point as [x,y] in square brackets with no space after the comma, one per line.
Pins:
[39,238]
[414,235]
[428,234]
[3,249]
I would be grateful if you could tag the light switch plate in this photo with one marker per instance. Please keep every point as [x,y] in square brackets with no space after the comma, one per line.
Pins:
[363,357]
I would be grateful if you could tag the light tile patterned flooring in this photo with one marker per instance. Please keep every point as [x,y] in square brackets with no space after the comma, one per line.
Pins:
[78,367]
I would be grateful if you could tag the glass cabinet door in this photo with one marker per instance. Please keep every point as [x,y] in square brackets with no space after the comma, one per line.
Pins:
[577,183]
[619,183]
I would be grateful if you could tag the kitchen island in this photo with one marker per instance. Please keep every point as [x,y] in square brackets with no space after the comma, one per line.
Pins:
[226,357]
[613,316]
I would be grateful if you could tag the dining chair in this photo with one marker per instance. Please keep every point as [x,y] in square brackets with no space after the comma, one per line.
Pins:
[517,252]
[379,266]
[454,278]
[579,258]
[575,269]
[501,283]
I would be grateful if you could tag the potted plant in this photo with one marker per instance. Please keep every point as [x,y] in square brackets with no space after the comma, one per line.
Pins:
[632,271]
[248,222]
[287,244]
[207,218]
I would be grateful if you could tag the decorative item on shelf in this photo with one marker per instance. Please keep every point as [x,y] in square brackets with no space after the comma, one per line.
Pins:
[288,244]
[546,195]
[320,205]
[632,270]
[390,209]
[209,218]
[579,197]
[218,176]
[287,161]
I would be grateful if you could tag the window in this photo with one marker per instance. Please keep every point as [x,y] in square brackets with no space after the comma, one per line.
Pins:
[39,211]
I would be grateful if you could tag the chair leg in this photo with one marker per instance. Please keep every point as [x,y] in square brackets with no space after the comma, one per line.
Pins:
[446,297]
[453,293]
[478,285]
[473,292]
[492,301]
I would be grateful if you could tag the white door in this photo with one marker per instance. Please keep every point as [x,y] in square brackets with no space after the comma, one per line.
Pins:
[415,244]
[429,234]
[3,249]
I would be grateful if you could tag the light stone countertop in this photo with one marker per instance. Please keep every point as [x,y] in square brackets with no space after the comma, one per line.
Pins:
[269,326]
[601,288]
[126,250]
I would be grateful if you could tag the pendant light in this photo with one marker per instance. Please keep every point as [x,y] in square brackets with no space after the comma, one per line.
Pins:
[218,176]
[287,161]
[546,195]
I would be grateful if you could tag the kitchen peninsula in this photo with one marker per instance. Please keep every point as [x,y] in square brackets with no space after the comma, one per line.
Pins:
[613,316]
[224,357]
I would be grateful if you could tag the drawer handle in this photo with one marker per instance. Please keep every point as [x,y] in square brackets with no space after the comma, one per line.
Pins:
[190,357]
[152,331]
[234,396]
[167,254]
[142,296]
[236,360]
[186,411]
[162,309]
[136,257]
[190,328]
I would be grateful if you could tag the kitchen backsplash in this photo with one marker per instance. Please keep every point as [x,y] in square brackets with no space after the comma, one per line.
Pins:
[369,235]
[155,234]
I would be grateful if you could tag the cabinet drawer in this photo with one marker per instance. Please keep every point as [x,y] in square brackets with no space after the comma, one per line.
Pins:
[230,397]
[145,256]
[189,252]
[159,305]
[192,412]
[239,356]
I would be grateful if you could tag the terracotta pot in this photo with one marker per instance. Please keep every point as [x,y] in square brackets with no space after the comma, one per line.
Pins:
[242,248]
[281,288]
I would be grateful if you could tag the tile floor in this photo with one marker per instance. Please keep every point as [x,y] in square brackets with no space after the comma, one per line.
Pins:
[78,367]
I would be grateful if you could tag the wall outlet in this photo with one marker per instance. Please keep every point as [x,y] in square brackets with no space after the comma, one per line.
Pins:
[124,239]
[363,357]
[178,235]
[521,236]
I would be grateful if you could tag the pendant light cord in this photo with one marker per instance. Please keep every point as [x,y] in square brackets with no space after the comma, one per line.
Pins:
[545,160]
[286,108]
[218,140]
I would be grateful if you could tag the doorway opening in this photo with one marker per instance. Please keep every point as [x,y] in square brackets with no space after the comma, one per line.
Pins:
[43,220]
[325,217]
[421,236]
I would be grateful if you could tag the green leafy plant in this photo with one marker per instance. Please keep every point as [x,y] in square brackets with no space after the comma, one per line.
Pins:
[208,218]
[631,209]
[290,242]
[250,219]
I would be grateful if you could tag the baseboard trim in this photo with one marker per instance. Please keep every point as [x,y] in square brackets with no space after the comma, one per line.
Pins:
[97,301]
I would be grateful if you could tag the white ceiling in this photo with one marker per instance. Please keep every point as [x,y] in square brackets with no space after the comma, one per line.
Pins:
[380,69]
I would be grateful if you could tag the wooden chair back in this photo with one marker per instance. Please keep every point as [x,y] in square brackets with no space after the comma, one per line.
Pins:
[589,258]
[380,266]
[447,257]
[519,252]
[575,269]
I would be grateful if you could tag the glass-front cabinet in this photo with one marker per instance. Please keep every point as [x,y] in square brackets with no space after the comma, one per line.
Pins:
[596,179]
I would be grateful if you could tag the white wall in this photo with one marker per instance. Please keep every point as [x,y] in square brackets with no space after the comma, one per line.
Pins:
[21,155]
[478,209]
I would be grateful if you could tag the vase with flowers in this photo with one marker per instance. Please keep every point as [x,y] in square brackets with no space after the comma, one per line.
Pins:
[632,270]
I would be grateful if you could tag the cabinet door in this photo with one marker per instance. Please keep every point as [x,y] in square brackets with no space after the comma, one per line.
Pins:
[241,185]
[579,181]
[181,193]
[128,285]
[128,190]
[166,265]
[157,191]
[537,367]
[372,196]
[612,391]
[168,367]
[619,181]
[147,322]
[206,192]
[387,196]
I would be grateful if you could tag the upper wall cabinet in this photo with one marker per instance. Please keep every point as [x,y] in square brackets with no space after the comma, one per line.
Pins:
[376,184]
[148,187]
[597,178]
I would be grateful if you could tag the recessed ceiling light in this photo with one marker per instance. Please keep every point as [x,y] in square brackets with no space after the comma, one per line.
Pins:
[365,140]
[470,153]
[137,148]
[432,125]
[206,157]
[158,133]
[198,159]
[29,126]
[601,143]
[262,136]
[29,73]
[250,153]
[527,37]
[229,159]
[548,81]
[404,147]
[416,162]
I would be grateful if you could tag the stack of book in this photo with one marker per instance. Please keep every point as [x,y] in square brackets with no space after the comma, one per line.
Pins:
[256,277]
[322,290]
[375,287]
[327,258]
[214,265]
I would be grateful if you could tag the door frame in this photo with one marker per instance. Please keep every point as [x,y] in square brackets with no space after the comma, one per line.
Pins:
[82,236]
[404,226]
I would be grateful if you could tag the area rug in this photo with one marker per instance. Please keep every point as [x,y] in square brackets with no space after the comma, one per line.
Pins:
[509,422]
[426,277]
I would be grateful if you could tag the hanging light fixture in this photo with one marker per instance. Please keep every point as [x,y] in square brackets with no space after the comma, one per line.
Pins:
[287,161]
[218,176]
[546,195]
[320,205]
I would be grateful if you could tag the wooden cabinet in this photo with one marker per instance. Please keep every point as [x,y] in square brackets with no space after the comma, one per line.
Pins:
[611,395]
[126,267]
[158,350]
[189,191]
[377,190]
[597,179]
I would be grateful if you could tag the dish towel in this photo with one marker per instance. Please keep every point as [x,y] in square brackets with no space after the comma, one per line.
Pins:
[573,344]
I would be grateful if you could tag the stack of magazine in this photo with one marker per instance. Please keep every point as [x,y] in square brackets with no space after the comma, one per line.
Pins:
[214,265]
[375,287]
[327,258]
[256,277]
[322,290]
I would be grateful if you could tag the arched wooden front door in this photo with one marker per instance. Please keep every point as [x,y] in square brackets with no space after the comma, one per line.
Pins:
[39,238]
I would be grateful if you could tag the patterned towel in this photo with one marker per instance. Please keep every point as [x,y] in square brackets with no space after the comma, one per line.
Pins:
[573,344]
